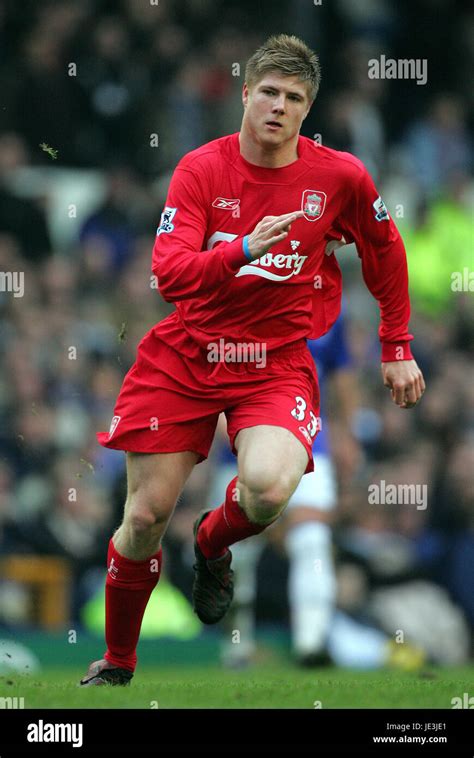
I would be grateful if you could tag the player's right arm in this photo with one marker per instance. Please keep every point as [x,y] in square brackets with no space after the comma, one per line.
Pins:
[184,270]
[269,231]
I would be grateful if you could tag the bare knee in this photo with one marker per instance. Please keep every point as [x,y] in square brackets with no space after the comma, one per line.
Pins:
[264,498]
[145,514]
[154,482]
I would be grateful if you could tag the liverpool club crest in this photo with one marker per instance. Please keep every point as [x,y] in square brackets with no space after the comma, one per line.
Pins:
[313,204]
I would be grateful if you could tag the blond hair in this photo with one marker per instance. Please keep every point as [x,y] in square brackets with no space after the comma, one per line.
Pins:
[289,56]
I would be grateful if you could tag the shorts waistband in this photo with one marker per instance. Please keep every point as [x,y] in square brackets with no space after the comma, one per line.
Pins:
[295,347]
[292,349]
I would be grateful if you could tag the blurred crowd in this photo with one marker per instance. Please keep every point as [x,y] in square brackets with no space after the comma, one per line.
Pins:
[121,90]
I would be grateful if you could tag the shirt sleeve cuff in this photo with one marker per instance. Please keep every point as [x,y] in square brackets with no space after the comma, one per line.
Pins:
[234,255]
[396,351]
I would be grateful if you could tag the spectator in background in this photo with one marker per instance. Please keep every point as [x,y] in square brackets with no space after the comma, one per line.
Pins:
[6,507]
[21,218]
[49,104]
[438,146]
[440,242]
[447,543]
[72,525]
[186,109]
[116,84]
[169,45]
[354,124]
[114,227]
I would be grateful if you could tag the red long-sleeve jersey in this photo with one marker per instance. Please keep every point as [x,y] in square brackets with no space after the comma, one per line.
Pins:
[216,197]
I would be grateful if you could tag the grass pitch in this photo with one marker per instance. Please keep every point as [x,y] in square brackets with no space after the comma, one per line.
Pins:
[268,686]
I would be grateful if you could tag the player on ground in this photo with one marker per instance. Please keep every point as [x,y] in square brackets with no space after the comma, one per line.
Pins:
[244,250]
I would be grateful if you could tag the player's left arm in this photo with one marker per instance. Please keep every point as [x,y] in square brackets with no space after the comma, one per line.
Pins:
[384,268]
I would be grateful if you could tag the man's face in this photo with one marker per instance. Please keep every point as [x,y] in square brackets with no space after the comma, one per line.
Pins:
[275,108]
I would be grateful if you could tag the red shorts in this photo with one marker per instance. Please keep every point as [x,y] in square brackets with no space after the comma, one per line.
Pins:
[172,396]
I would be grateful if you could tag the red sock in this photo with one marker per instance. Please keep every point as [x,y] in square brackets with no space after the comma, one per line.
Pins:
[128,587]
[225,525]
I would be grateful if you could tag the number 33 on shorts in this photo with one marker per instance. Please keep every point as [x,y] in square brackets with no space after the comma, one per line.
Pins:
[299,413]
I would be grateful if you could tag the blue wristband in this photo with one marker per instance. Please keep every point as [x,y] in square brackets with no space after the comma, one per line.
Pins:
[245,246]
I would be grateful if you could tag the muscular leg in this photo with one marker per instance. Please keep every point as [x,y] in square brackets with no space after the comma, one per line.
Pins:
[154,483]
[271,462]
[134,556]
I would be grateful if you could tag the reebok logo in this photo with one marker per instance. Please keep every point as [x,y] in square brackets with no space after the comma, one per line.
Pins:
[42,732]
[112,570]
[259,267]
[225,204]
[113,425]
